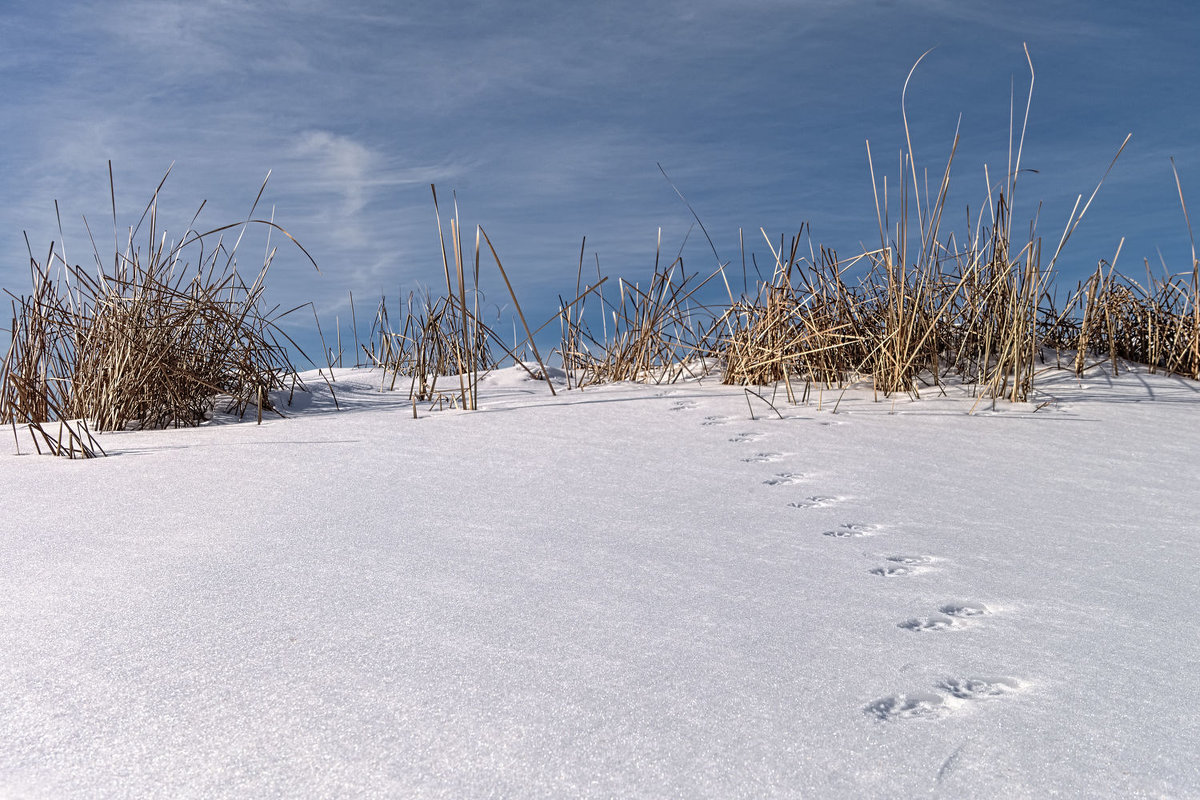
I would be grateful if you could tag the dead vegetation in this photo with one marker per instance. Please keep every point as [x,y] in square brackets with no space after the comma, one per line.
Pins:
[921,311]
[152,339]
[444,338]
[160,337]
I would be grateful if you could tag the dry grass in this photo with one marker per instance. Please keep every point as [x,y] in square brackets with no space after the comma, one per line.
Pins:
[975,308]
[445,337]
[151,340]
[650,333]
[431,343]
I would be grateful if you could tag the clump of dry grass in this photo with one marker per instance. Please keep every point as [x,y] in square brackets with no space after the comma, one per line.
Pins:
[805,324]
[1156,323]
[649,334]
[431,343]
[1153,324]
[922,310]
[151,341]
[445,337]
[927,308]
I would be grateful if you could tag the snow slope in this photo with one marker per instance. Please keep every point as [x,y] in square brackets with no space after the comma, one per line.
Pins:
[630,591]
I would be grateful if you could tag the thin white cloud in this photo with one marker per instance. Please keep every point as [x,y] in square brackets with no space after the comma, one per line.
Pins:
[341,164]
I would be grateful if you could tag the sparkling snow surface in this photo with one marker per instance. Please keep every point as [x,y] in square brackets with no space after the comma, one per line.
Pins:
[630,591]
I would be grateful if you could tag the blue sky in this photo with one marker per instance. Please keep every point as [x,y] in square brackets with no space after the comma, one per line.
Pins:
[548,119]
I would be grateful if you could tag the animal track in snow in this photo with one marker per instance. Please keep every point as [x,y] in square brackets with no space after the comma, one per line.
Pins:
[951,615]
[910,561]
[683,405]
[965,610]
[894,571]
[907,706]
[763,458]
[978,688]
[914,705]
[848,529]
[708,421]
[903,565]
[817,502]
[933,622]
[746,437]
[786,479]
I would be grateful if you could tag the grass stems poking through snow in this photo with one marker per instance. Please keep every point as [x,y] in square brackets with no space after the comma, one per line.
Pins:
[446,336]
[1151,324]
[652,334]
[431,343]
[976,308]
[151,341]
[921,310]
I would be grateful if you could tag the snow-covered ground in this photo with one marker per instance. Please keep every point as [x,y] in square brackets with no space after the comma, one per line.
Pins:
[630,591]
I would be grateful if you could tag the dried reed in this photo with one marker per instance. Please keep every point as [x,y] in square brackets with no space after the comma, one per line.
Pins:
[149,342]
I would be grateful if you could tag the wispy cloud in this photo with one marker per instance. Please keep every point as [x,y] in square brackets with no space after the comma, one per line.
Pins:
[340,164]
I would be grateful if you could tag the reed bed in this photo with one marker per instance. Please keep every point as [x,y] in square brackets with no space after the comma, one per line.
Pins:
[431,343]
[152,341]
[1153,323]
[920,312]
[926,308]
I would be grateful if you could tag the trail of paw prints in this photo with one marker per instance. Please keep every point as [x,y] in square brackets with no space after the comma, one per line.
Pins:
[949,616]
[899,566]
[684,405]
[849,530]
[715,420]
[952,693]
[749,436]
[949,694]
[818,501]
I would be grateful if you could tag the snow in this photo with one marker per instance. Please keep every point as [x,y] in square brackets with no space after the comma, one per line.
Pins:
[629,591]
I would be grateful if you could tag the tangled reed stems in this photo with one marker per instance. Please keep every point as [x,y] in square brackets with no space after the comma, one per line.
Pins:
[431,343]
[445,336]
[655,334]
[150,341]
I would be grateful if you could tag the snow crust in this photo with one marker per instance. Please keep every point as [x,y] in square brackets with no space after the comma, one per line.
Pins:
[630,591]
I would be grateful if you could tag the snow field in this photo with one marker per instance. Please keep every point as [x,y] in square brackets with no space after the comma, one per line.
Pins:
[631,591]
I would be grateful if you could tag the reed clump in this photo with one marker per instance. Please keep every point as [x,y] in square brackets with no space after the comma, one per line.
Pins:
[429,343]
[152,340]
[806,323]
[1153,323]
[925,309]
[967,312]
[650,333]
[445,336]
